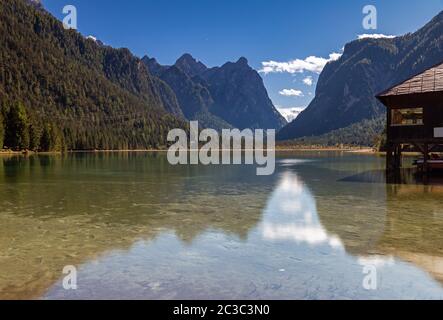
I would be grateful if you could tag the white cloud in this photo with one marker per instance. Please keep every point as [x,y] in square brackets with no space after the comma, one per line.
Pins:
[374,36]
[311,63]
[290,114]
[309,81]
[291,93]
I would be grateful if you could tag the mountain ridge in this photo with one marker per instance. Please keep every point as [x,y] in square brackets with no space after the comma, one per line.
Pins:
[232,95]
[89,96]
[346,89]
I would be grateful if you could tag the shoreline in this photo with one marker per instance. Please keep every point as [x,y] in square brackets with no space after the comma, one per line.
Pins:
[337,149]
[277,149]
[354,150]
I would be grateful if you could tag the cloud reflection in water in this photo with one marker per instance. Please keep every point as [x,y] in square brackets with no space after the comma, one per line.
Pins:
[291,215]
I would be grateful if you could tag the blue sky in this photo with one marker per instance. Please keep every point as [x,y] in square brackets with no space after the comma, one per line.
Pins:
[216,31]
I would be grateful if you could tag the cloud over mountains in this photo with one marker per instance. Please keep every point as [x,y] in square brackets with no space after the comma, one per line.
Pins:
[374,36]
[312,63]
[291,93]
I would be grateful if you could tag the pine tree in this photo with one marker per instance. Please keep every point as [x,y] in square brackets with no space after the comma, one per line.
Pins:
[17,132]
[45,140]
[2,131]
[51,139]
[34,138]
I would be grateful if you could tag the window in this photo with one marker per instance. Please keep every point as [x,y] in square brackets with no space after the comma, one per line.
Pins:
[407,117]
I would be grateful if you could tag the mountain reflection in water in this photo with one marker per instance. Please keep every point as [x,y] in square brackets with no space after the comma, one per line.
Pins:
[138,228]
[291,214]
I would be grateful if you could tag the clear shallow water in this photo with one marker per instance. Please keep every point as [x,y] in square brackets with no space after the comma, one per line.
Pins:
[136,227]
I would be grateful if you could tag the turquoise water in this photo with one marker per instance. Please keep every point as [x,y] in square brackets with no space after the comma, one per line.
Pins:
[136,227]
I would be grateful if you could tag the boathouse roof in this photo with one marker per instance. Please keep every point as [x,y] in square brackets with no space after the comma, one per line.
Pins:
[427,81]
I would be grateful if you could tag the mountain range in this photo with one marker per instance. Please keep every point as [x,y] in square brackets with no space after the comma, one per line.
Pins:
[57,85]
[232,95]
[61,90]
[346,89]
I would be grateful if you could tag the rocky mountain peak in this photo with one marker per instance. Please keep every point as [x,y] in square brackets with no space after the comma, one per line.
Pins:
[153,66]
[242,61]
[190,65]
[36,3]
[232,95]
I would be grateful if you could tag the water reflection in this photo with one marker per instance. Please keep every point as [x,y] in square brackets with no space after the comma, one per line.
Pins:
[139,228]
[291,214]
[404,176]
[78,208]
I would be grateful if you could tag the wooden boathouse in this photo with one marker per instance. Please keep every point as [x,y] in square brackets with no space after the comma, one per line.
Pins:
[415,117]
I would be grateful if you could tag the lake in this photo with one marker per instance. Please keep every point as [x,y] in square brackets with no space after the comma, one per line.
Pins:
[137,228]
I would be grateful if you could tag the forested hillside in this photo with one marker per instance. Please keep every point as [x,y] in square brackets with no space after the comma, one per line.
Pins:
[59,90]
[366,133]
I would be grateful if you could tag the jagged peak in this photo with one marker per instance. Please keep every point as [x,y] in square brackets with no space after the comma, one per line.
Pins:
[188,64]
[36,3]
[242,61]
[153,65]
[146,58]
[187,57]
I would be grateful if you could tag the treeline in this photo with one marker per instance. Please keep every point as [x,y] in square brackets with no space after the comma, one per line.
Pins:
[19,132]
[367,133]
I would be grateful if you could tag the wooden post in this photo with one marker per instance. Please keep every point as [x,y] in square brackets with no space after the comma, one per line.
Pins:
[398,159]
[426,158]
[393,157]
[389,157]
